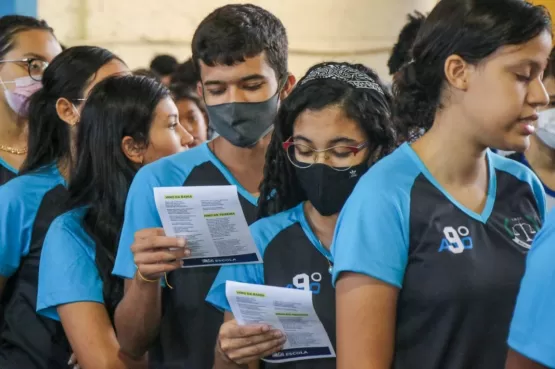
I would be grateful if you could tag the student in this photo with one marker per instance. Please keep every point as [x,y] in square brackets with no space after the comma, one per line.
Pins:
[31,201]
[127,122]
[192,112]
[332,127]
[540,156]
[27,45]
[241,53]
[430,247]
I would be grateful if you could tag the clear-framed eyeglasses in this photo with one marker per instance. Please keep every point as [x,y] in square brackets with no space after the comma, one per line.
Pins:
[35,67]
[340,158]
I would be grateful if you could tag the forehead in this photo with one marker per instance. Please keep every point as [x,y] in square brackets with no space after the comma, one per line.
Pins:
[330,119]
[534,52]
[165,108]
[232,73]
[112,68]
[39,42]
[185,105]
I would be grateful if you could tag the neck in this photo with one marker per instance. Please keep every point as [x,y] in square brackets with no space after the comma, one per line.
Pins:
[323,227]
[539,155]
[449,153]
[241,159]
[13,132]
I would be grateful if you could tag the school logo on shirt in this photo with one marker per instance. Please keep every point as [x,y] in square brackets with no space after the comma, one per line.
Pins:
[456,240]
[307,282]
[522,230]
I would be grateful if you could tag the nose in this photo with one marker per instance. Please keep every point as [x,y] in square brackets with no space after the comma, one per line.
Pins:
[236,94]
[537,94]
[186,137]
[320,157]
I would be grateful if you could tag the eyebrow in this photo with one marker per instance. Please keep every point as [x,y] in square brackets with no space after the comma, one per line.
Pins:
[332,142]
[35,56]
[534,63]
[250,77]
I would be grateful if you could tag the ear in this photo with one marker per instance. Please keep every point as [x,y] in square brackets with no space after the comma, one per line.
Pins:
[200,90]
[66,111]
[132,151]
[457,72]
[288,86]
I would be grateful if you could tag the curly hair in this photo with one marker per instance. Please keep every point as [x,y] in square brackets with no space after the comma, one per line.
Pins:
[401,53]
[280,189]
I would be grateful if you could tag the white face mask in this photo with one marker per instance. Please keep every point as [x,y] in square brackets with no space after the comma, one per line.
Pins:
[546,127]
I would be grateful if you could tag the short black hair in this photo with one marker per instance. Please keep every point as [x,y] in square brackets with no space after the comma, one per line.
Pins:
[11,25]
[472,29]
[164,65]
[185,73]
[146,73]
[232,33]
[280,189]
[400,54]
[180,91]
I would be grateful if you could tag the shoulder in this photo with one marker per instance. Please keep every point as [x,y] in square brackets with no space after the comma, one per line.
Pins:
[266,229]
[66,234]
[173,170]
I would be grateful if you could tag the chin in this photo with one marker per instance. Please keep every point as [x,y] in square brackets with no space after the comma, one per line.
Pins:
[518,144]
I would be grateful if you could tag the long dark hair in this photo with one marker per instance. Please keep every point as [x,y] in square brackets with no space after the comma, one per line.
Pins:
[117,107]
[472,29]
[280,189]
[67,76]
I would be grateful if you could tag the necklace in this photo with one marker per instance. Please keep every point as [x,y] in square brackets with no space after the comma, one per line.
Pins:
[330,264]
[13,150]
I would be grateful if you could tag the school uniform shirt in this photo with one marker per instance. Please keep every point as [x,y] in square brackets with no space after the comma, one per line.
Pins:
[549,193]
[68,271]
[7,172]
[28,205]
[189,325]
[533,322]
[458,272]
[293,258]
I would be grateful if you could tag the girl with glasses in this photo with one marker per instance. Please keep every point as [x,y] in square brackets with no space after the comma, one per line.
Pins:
[328,132]
[27,45]
[33,199]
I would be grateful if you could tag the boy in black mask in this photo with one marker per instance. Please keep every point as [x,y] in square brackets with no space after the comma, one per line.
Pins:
[240,52]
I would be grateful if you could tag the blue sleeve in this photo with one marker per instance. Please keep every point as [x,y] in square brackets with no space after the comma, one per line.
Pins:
[16,222]
[371,235]
[140,213]
[245,273]
[67,271]
[533,324]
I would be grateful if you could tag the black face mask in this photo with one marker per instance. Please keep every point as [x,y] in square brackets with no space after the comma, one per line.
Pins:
[328,189]
[244,124]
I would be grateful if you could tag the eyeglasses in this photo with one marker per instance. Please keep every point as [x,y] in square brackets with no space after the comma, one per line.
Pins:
[35,67]
[340,158]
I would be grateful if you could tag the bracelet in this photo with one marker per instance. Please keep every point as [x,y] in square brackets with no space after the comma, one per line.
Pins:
[154,280]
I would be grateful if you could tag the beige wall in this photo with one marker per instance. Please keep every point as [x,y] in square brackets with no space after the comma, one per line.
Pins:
[352,30]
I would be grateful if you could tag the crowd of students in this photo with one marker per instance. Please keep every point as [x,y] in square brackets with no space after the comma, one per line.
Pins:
[432,251]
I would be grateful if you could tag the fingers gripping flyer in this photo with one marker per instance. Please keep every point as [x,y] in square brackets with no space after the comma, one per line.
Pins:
[286,309]
[211,219]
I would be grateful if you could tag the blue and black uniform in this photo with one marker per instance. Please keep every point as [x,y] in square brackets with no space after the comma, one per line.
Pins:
[533,322]
[458,271]
[68,271]
[549,193]
[7,172]
[294,258]
[189,325]
[28,206]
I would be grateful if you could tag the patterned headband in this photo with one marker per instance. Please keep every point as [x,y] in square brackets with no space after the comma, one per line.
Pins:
[345,74]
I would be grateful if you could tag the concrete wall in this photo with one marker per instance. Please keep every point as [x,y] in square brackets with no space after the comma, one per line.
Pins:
[352,30]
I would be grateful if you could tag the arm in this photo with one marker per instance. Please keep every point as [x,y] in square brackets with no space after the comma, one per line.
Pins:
[137,317]
[242,347]
[362,301]
[517,361]
[98,348]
